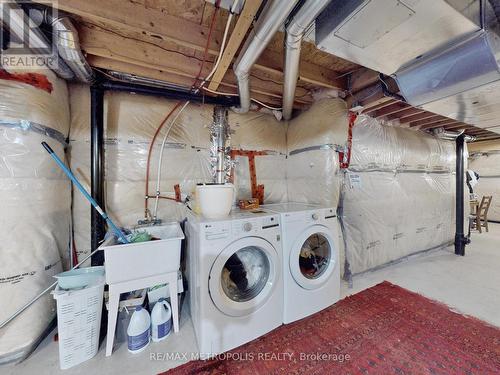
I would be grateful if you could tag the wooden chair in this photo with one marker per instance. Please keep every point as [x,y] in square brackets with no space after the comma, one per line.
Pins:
[480,216]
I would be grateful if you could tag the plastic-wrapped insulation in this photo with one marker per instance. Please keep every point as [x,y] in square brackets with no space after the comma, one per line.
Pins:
[398,194]
[36,201]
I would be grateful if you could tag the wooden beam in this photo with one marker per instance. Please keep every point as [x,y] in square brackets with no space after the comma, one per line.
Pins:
[409,111]
[97,42]
[428,121]
[388,110]
[417,117]
[475,131]
[245,20]
[378,104]
[134,18]
[362,78]
[369,97]
[438,124]
[457,125]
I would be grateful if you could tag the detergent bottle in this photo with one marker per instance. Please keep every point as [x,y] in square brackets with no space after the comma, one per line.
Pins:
[161,320]
[139,330]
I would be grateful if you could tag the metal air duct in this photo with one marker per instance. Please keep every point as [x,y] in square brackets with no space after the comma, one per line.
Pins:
[271,18]
[294,33]
[443,54]
[68,46]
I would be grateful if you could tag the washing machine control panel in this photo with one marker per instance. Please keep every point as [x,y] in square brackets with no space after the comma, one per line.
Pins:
[241,227]
[217,231]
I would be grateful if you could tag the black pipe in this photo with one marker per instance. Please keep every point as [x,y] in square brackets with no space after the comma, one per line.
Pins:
[460,239]
[97,223]
[168,93]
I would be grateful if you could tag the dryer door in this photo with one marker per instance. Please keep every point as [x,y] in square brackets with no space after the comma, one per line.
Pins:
[244,276]
[313,257]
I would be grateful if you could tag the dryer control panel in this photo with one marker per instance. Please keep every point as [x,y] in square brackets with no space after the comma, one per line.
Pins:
[311,216]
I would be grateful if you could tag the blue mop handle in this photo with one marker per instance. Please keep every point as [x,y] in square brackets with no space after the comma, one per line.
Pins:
[72,177]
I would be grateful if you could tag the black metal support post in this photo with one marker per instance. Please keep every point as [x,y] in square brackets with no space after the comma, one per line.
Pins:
[97,169]
[460,239]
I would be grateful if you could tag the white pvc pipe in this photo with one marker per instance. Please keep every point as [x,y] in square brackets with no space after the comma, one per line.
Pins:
[294,33]
[273,16]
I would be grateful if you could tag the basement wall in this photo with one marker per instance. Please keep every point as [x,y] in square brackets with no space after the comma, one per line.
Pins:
[35,204]
[398,195]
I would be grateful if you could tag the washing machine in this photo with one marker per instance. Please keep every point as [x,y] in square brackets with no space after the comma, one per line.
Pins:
[235,285]
[311,269]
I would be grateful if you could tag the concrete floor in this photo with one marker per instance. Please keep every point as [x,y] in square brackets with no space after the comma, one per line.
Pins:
[470,285]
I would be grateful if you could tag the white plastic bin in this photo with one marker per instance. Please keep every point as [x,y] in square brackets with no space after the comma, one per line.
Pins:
[79,322]
[143,259]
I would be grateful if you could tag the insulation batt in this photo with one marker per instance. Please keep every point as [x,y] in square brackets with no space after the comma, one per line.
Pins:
[313,163]
[487,165]
[130,122]
[398,196]
[36,201]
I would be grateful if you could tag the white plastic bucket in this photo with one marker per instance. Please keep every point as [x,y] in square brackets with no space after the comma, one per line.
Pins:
[79,322]
[215,201]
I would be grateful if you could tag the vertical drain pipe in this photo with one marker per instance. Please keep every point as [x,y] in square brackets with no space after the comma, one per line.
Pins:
[97,170]
[272,17]
[460,239]
[294,33]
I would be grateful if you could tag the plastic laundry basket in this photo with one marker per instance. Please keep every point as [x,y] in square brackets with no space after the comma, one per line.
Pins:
[79,322]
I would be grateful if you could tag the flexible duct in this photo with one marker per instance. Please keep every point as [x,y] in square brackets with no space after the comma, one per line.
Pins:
[272,17]
[68,46]
[294,33]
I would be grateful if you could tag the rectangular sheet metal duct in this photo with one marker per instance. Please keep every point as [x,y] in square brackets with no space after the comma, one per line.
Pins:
[438,52]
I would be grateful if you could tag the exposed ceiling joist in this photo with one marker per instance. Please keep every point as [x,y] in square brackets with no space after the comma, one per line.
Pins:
[417,117]
[409,111]
[100,43]
[238,34]
[431,120]
[362,78]
[141,71]
[158,26]
[389,110]
[438,124]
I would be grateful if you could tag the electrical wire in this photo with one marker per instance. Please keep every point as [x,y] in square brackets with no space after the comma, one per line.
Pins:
[214,68]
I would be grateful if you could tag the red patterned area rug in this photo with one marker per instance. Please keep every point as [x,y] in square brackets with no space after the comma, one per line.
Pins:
[382,330]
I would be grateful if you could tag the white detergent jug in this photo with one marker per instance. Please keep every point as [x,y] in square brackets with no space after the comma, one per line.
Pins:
[161,320]
[138,331]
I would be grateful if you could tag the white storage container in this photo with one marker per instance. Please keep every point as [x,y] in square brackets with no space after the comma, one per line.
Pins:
[215,201]
[79,322]
[143,259]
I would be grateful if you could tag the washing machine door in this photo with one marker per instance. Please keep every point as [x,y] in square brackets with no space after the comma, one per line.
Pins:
[313,257]
[244,276]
